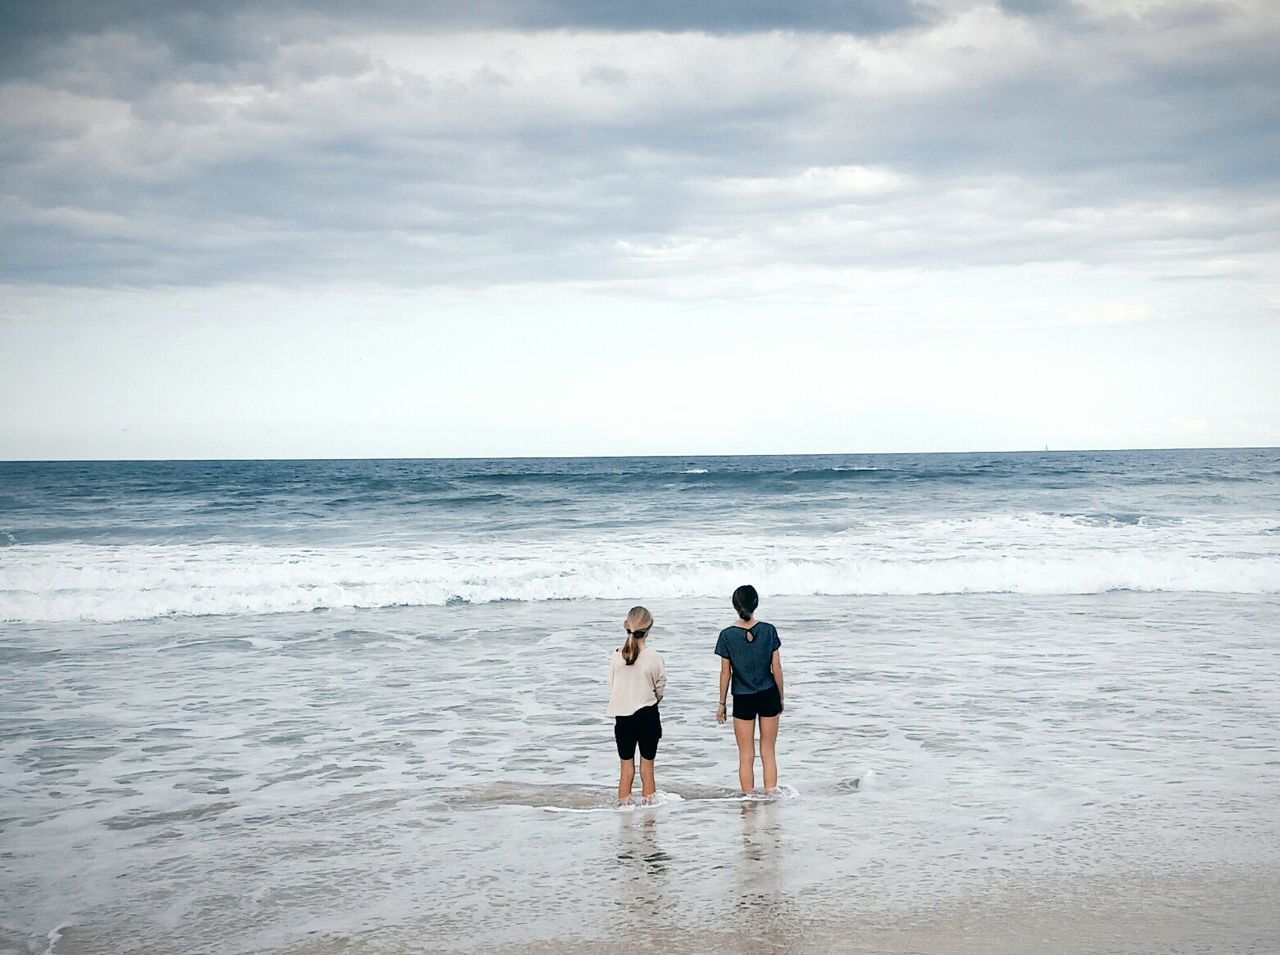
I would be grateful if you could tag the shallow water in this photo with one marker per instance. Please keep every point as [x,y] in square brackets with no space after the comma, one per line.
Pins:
[248,783]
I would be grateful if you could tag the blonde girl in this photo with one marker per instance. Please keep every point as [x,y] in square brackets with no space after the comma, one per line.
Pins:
[637,679]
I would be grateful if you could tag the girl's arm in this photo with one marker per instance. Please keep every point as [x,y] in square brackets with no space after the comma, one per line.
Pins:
[660,680]
[776,668]
[725,672]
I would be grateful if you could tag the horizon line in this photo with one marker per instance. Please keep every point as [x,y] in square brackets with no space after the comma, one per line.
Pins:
[627,457]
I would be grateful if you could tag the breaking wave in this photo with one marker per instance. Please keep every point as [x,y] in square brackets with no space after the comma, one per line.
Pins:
[112,584]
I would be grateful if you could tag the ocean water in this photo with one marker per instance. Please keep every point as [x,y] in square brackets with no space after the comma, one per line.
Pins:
[343,706]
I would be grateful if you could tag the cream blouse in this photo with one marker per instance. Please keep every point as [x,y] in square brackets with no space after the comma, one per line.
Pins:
[634,687]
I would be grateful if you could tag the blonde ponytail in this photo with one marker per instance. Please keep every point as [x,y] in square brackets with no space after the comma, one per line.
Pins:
[637,623]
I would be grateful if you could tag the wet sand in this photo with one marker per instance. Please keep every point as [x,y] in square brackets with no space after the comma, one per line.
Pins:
[1227,910]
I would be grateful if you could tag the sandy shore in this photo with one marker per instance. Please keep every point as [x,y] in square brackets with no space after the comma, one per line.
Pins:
[1228,910]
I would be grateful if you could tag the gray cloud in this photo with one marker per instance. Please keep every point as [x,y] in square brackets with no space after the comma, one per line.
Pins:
[216,33]
[146,145]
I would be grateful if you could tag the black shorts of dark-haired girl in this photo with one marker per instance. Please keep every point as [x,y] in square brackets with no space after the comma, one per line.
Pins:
[643,727]
[747,706]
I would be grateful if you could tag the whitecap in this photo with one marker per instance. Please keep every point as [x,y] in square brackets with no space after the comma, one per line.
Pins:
[1029,553]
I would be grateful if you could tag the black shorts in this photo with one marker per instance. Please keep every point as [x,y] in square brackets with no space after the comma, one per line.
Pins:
[747,706]
[644,726]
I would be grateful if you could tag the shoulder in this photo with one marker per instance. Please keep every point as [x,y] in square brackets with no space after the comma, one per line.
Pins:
[722,643]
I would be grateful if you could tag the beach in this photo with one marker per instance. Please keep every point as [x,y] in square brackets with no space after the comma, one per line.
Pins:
[1033,704]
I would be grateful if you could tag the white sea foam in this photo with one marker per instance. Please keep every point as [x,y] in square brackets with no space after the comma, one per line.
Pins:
[1025,554]
[659,800]
[98,583]
[53,938]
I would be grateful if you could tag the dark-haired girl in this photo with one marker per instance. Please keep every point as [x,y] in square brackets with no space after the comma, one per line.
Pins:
[751,657]
[637,679]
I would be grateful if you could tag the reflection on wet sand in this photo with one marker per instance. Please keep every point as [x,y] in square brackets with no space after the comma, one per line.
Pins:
[760,905]
[643,864]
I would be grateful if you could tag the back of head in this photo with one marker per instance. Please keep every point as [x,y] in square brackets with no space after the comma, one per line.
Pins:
[637,623]
[745,601]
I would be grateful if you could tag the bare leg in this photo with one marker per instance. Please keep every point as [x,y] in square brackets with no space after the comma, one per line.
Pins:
[769,751]
[647,786]
[625,780]
[744,731]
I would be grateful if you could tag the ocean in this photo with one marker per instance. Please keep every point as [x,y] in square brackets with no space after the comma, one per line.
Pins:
[1033,704]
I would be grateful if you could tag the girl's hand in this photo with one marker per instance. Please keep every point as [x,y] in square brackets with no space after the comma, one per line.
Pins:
[721,713]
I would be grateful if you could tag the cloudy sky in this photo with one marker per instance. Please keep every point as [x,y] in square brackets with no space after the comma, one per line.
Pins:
[571,227]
